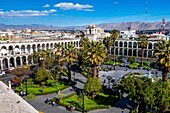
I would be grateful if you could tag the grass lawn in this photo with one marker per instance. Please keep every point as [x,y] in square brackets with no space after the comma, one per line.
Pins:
[102,101]
[38,90]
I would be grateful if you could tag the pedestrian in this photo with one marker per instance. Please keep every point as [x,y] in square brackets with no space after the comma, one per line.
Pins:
[122,111]
[104,81]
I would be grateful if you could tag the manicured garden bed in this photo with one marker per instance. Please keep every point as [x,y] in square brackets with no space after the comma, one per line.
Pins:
[102,101]
[37,89]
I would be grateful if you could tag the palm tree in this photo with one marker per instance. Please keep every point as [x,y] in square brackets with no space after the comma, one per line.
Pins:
[69,57]
[162,53]
[143,43]
[84,41]
[42,57]
[95,55]
[58,53]
[108,42]
[114,35]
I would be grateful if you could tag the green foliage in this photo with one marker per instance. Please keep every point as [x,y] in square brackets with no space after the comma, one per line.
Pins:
[131,66]
[147,63]
[93,86]
[144,92]
[29,97]
[131,60]
[21,72]
[50,83]
[42,75]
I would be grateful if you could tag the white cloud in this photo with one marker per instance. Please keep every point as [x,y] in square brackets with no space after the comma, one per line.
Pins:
[26,13]
[46,5]
[115,2]
[52,10]
[70,6]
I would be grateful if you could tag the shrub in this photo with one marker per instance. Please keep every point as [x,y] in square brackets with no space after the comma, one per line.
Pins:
[131,66]
[50,82]
[30,97]
[147,63]
[93,86]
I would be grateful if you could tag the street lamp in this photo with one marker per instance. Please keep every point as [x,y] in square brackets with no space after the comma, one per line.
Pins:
[42,62]
[26,79]
[109,79]
[82,93]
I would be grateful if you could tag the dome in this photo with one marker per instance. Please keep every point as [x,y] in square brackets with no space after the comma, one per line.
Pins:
[3,51]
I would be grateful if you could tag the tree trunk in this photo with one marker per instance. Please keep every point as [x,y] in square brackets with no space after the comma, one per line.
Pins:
[94,71]
[164,74]
[42,64]
[142,56]
[69,72]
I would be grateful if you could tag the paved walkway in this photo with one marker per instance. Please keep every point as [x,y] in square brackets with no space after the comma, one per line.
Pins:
[40,105]
[122,105]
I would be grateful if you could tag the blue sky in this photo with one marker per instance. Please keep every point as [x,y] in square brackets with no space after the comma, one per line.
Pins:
[81,12]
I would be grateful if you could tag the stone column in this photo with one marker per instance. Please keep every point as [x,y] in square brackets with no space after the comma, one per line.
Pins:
[2,65]
[26,60]
[15,62]
[21,61]
[8,60]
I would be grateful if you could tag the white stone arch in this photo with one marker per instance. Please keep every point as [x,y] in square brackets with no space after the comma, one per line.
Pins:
[17,49]
[74,44]
[47,46]
[135,52]
[77,43]
[51,46]
[23,48]
[12,61]
[120,44]
[43,47]
[150,54]
[3,47]
[38,47]
[29,48]
[130,45]
[150,46]
[125,52]
[18,61]
[34,47]
[24,60]
[155,44]
[125,44]
[5,63]
[130,52]
[120,51]
[135,44]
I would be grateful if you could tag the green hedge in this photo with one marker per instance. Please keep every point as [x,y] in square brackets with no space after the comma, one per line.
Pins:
[97,107]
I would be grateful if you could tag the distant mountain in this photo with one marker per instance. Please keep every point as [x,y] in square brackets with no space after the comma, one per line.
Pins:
[106,26]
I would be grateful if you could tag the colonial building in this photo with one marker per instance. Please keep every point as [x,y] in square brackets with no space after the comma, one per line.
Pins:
[94,33]
[16,53]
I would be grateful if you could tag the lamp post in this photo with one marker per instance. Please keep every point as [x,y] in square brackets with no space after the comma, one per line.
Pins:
[83,101]
[26,79]
[109,78]
[42,62]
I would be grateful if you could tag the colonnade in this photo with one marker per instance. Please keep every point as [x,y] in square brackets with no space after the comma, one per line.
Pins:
[14,54]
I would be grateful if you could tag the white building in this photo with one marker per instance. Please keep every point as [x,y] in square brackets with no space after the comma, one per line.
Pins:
[94,33]
[128,33]
[16,53]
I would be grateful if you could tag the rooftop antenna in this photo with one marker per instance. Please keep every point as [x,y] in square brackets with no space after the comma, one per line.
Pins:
[146,10]
[146,14]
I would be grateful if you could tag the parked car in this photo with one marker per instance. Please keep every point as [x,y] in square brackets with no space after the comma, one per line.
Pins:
[2,73]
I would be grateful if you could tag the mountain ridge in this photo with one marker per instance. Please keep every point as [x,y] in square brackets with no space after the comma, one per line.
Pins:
[105,26]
